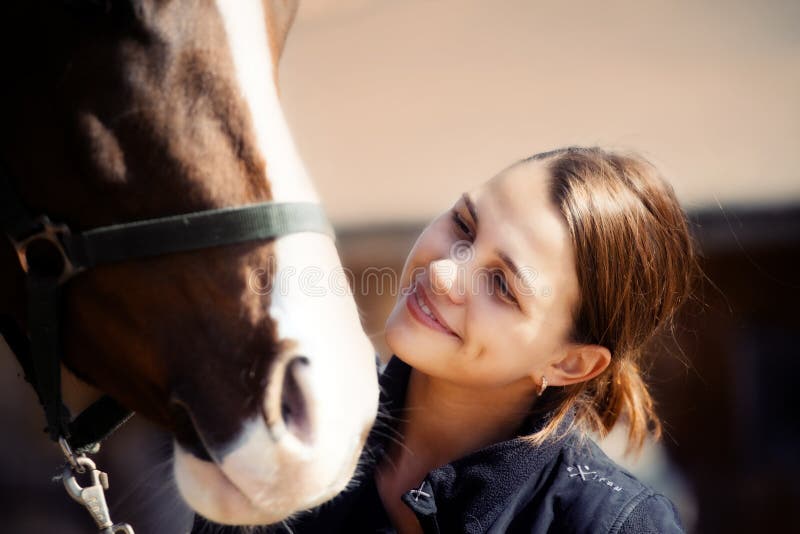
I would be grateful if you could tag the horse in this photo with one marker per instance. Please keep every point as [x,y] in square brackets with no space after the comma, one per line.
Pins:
[121,111]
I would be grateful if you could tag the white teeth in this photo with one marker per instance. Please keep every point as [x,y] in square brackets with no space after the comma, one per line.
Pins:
[425,308]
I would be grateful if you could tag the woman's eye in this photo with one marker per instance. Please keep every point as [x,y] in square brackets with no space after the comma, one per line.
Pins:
[460,224]
[501,286]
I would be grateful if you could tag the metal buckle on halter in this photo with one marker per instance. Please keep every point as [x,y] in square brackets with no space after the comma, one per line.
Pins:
[92,497]
[49,235]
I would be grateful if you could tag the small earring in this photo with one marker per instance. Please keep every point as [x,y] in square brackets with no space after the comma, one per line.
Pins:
[543,386]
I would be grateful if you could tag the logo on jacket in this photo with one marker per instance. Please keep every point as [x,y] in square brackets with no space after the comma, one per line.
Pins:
[587,475]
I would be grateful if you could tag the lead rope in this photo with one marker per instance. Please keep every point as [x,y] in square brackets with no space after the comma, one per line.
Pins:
[93,496]
[39,356]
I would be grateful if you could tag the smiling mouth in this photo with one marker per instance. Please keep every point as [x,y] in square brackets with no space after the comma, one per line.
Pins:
[419,309]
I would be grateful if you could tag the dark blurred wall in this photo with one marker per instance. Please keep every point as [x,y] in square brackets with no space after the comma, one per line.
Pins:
[731,408]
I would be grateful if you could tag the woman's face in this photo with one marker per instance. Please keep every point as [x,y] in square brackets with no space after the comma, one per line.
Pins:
[488,286]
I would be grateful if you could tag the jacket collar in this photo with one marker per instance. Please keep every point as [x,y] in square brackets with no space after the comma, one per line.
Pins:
[479,486]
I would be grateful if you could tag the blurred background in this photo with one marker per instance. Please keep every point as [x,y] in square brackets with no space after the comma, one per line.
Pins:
[399,106]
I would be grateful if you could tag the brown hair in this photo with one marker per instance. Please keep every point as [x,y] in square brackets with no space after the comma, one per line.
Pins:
[636,265]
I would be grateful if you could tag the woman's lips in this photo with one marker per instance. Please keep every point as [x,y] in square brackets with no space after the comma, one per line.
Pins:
[414,308]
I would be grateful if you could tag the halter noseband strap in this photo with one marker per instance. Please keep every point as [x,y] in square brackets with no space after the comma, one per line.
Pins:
[50,254]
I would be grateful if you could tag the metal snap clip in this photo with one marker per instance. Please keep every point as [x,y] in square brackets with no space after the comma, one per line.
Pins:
[93,497]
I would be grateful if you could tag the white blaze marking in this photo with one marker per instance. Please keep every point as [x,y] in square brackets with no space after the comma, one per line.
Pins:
[325,326]
[245,25]
[298,313]
[280,477]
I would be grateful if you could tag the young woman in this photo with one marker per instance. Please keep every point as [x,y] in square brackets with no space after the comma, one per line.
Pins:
[519,334]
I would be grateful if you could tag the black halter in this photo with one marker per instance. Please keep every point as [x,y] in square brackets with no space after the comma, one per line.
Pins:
[50,255]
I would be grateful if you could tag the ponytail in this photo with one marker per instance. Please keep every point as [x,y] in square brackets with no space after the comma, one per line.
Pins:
[627,396]
[636,265]
[618,393]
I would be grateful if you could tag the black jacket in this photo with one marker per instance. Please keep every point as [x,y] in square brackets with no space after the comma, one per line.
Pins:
[568,486]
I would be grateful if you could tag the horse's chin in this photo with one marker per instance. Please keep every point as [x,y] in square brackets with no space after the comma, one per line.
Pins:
[259,483]
[209,492]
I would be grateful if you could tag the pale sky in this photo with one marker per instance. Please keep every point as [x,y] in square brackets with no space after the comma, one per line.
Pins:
[398,106]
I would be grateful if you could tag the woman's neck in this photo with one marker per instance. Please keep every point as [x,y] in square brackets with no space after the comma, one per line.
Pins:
[443,421]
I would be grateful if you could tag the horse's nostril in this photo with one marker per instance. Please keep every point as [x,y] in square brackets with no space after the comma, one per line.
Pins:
[294,410]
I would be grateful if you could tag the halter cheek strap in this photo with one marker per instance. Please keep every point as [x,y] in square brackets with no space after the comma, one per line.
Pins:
[50,255]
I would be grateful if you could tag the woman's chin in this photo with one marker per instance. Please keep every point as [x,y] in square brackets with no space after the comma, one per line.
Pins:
[415,351]
[406,340]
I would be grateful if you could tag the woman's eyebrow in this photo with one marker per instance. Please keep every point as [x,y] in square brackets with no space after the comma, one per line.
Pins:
[470,207]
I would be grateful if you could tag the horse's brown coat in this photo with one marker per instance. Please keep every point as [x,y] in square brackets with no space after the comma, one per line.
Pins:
[129,114]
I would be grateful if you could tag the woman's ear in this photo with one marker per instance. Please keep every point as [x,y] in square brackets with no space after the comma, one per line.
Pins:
[579,364]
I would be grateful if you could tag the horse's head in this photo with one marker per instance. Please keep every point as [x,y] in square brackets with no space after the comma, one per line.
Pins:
[251,354]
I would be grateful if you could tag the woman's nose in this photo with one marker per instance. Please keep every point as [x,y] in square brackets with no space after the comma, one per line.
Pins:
[447,278]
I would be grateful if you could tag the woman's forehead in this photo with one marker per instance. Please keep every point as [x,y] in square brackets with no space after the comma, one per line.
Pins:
[530,176]
[518,200]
